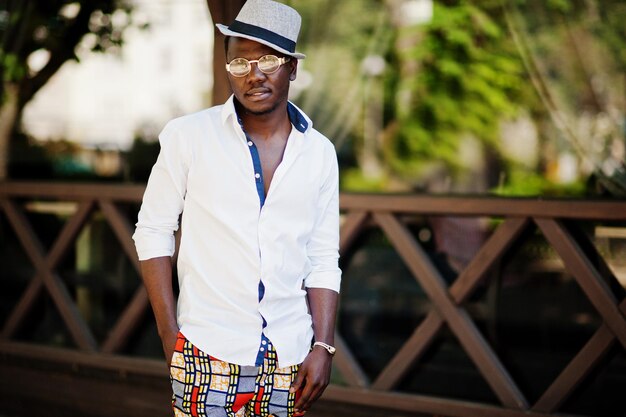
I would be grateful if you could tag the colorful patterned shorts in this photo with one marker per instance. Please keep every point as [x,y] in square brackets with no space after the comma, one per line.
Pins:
[204,386]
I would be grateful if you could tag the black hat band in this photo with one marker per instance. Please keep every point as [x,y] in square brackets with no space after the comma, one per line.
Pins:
[261,33]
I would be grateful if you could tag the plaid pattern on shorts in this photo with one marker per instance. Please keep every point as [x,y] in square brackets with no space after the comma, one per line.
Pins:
[204,386]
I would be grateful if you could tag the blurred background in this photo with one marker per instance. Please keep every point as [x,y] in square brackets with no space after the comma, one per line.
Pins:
[516,97]
[496,99]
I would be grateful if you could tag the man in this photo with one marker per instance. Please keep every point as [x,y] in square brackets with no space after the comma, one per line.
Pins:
[257,187]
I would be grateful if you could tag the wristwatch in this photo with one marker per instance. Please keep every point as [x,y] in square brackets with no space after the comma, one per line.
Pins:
[329,348]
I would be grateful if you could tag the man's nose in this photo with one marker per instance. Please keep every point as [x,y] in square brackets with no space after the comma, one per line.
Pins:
[255,72]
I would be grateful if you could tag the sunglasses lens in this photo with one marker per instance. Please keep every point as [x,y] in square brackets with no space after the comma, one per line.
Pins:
[239,67]
[269,64]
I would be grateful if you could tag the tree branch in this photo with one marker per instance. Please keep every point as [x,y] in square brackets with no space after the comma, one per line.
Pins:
[222,11]
[63,52]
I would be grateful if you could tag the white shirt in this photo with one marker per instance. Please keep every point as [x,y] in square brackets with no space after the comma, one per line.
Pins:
[205,171]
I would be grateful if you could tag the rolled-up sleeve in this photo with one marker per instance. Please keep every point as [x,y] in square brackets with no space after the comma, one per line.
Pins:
[164,197]
[323,246]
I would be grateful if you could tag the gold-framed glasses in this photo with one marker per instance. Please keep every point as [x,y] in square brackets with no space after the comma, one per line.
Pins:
[268,64]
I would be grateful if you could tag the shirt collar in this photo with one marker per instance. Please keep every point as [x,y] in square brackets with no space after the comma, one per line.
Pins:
[298,119]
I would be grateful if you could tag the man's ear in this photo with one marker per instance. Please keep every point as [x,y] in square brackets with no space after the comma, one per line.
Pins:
[294,69]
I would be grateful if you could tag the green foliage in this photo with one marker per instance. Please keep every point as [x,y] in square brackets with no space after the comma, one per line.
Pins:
[613,31]
[525,183]
[337,36]
[576,53]
[53,29]
[467,79]
[352,180]
[14,70]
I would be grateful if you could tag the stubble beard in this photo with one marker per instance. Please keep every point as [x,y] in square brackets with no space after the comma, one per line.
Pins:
[261,112]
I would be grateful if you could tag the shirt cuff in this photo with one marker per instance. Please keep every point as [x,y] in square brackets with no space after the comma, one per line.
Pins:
[151,247]
[324,279]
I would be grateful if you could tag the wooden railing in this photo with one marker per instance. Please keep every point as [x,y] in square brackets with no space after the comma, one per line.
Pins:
[391,214]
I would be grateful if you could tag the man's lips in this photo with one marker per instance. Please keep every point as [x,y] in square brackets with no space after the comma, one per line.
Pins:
[258,93]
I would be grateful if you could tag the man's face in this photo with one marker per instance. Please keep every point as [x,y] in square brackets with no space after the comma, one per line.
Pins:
[257,92]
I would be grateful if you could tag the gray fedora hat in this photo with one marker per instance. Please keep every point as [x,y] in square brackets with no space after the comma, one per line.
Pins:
[268,22]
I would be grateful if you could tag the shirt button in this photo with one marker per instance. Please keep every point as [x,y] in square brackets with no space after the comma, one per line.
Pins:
[257,175]
[262,349]
[250,143]
[264,342]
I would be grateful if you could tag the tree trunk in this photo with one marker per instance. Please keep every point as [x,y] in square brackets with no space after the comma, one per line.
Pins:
[9,111]
[222,11]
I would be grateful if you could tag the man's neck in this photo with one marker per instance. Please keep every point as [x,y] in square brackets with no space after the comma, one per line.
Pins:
[264,126]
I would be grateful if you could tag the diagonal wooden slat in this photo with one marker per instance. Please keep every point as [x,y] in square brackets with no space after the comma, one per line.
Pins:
[22,307]
[70,230]
[63,301]
[122,229]
[131,316]
[457,318]
[127,322]
[345,361]
[577,370]
[597,259]
[351,228]
[417,344]
[589,279]
[347,365]
[462,288]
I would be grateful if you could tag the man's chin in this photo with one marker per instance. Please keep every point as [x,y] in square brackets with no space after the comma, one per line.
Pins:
[261,110]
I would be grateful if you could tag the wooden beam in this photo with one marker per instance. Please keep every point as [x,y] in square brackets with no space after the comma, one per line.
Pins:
[82,390]
[21,309]
[62,300]
[486,206]
[415,204]
[69,394]
[122,229]
[423,404]
[462,288]
[591,282]
[137,307]
[74,359]
[457,318]
[577,370]
[72,191]
[127,322]
[348,366]
[351,228]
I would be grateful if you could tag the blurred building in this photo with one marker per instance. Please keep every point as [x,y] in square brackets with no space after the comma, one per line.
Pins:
[162,71]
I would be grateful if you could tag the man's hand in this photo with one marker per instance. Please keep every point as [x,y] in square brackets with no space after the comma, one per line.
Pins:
[312,378]
[168,340]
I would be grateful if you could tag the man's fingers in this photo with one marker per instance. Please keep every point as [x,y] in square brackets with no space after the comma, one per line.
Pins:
[311,380]
[312,390]
[304,402]
[298,381]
